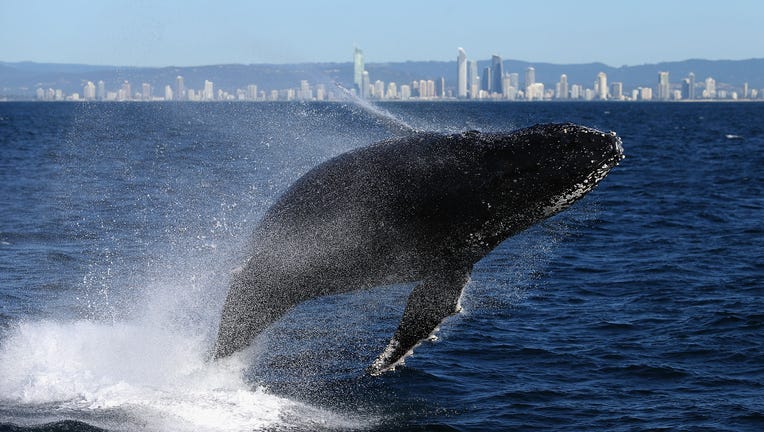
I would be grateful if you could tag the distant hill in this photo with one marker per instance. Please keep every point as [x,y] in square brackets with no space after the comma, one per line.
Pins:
[20,80]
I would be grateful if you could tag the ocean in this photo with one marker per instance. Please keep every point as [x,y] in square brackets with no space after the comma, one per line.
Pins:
[639,308]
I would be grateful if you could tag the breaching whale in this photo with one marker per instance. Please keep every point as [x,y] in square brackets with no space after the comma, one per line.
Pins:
[424,208]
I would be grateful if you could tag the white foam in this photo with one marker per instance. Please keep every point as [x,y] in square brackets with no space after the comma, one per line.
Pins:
[157,378]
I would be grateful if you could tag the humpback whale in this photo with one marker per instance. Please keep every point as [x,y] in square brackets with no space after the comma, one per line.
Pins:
[419,209]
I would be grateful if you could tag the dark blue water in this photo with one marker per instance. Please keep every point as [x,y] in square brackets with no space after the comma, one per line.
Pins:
[640,308]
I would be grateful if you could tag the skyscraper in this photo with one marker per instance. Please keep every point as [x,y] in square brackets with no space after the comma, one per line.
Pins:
[305,92]
[125,91]
[461,74]
[601,86]
[691,84]
[358,69]
[89,91]
[530,79]
[473,79]
[101,91]
[514,80]
[252,92]
[392,90]
[180,88]
[663,86]
[710,92]
[497,74]
[486,81]
[509,91]
[379,89]
[616,91]
[563,94]
[686,88]
[146,91]
[209,93]
[365,84]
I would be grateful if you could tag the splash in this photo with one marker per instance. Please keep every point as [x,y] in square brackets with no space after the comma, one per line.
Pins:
[385,116]
[137,376]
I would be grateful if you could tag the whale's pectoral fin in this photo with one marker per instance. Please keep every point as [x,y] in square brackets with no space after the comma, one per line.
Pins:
[433,300]
[255,300]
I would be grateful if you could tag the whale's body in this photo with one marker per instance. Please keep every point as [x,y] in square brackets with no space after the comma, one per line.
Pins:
[424,209]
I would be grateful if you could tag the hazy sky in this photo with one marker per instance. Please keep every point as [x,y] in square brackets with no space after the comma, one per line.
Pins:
[199,32]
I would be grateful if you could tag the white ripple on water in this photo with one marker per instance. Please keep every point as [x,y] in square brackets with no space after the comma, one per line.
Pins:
[158,379]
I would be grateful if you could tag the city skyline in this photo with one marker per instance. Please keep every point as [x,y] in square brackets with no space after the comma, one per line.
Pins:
[494,84]
[198,32]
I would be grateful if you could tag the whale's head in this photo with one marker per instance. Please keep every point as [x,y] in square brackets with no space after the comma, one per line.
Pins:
[543,169]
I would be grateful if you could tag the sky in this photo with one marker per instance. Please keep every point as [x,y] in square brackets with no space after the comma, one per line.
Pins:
[202,32]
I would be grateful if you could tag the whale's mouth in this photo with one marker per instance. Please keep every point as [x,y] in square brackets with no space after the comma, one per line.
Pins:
[618,155]
[612,140]
[601,169]
[612,149]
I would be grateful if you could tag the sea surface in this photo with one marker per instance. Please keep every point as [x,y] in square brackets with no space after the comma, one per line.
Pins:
[639,308]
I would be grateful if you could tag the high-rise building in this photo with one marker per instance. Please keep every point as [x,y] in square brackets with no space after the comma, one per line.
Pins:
[745,90]
[563,92]
[180,88]
[535,91]
[89,91]
[663,86]
[146,91]
[358,70]
[473,79]
[497,74]
[101,91]
[379,89]
[423,89]
[686,88]
[125,92]
[461,74]
[320,92]
[305,92]
[601,86]
[365,90]
[530,78]
[710,91]
[691,82]
[514,80]
[509,91]
[208,93]
[405,92]
[486,81]
[252,92]
[168,96]
[616,91]
[392,90]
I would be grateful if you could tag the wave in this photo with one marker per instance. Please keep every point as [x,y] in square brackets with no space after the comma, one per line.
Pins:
[129,376]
